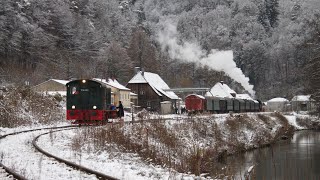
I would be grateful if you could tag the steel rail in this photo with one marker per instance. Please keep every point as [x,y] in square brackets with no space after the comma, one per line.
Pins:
[74,165]
[9,170]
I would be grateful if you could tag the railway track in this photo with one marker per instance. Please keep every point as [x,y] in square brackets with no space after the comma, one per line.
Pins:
[8,174]
[99,175]
[11,170]
[8,171]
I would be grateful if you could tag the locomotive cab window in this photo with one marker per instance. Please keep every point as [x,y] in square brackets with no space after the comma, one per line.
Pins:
[74,90]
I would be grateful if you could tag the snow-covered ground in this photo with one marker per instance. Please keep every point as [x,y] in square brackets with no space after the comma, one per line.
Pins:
[125,166]
[17,152]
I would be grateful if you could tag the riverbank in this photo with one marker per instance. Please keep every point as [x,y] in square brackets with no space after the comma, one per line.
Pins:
[199,144]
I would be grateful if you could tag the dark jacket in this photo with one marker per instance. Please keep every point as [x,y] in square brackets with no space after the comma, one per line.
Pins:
[120,111]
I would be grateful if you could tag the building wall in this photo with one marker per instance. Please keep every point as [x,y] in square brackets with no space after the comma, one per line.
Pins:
[50,86]
[125,98]
[147,98]
[277,106]
[166,107]
[134,99]
[120,95]
[303,106]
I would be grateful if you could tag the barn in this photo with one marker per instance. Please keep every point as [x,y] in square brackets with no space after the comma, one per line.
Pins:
[150,90]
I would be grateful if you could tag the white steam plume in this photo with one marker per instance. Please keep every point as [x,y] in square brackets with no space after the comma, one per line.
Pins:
[192,52]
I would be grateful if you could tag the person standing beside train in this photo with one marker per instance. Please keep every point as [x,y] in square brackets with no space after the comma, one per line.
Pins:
[120,111]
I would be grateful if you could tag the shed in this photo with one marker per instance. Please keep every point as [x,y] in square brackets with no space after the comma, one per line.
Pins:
[52,86]
[278,104]
[303,103]
[166,107]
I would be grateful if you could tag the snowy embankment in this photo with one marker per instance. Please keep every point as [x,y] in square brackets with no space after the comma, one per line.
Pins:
[160,149]
[182,147]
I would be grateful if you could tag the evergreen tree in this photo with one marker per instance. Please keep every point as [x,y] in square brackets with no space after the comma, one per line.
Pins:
[272,10]
[313,78]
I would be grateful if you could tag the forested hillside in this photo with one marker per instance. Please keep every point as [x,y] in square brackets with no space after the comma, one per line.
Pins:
[274,41]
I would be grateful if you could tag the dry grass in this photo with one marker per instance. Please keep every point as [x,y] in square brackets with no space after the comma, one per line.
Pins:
[192,145]
[22,106]
[309,123]
[286,131]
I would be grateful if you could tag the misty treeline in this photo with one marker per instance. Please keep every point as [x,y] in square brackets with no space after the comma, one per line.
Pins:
[274,41]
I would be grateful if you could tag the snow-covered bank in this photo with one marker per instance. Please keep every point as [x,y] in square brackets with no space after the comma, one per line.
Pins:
[177,146]
[152,149]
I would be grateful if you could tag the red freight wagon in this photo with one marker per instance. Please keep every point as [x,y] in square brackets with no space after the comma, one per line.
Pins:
[195,102]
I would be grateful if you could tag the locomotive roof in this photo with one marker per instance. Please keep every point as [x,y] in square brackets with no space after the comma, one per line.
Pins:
[79,80]
[156,83]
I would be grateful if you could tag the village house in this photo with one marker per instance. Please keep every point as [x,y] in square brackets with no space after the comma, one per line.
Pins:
[150,90]
[118,92]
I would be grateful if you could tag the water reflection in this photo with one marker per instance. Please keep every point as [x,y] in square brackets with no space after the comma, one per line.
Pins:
[298,158]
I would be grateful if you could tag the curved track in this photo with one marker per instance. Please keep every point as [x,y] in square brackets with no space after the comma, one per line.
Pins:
[10,173]
[76,166]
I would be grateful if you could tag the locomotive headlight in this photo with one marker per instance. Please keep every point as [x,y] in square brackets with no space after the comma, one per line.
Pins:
[84,81]
[94,107]
[73,107]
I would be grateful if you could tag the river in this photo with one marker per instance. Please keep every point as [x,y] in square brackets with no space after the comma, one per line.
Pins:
[296,158]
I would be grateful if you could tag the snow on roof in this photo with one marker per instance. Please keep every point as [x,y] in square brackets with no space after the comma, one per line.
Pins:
[133,94]
[278,99]
[301,98]
[199,96]
[156,83]
[64,82]
[138,78]
[113,83]
[244,96]
[228,89]
[220,90]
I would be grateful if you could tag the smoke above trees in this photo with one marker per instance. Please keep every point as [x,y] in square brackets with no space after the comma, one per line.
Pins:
[192,52]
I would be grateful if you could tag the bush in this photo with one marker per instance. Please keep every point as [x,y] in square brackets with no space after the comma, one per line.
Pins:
[23,106]
[58,97]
